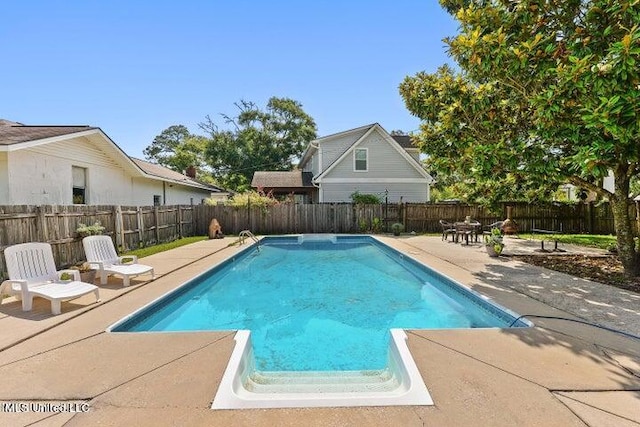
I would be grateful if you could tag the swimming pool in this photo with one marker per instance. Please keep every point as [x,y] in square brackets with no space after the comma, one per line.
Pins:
[319,304]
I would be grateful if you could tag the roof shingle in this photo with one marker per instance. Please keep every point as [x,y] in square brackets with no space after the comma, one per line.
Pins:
[404,141]
[279,179]
[166,173]
[15,133]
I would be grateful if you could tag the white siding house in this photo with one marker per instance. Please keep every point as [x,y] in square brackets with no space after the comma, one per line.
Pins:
[62,165]
[366,159]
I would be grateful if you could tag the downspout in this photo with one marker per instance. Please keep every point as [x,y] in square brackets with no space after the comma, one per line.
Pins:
[164,192]
[313,180]
[315,184]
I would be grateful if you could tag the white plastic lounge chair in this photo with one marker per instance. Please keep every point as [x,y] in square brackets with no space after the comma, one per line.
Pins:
[101,253]
[32,273]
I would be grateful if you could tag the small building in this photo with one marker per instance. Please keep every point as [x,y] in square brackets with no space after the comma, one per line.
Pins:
[284,184]
[63,165]
[367,160]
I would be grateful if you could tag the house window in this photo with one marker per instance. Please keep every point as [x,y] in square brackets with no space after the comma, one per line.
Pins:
[79,185]
[360,159]
[157,199]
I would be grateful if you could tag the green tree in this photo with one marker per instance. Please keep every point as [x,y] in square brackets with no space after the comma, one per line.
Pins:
[164,146]
[548,88]
[475,137]
[269,139]
[177,149]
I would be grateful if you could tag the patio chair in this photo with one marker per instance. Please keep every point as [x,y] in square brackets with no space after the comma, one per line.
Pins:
[102,254]
[32,273]
[447,228]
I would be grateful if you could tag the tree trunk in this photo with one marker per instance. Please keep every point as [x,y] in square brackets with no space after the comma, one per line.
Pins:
[624,233]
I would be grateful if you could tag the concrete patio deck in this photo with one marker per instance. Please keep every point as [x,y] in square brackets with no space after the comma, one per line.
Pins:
[558,373]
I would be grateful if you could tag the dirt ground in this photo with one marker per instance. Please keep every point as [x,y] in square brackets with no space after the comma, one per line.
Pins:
[603,269]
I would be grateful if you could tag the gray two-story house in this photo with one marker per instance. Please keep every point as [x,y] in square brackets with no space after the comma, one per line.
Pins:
[366,159]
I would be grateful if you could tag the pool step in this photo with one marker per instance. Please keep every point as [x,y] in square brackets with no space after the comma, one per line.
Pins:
[321,382]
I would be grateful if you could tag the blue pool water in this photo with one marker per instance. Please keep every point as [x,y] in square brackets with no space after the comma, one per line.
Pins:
[319,305]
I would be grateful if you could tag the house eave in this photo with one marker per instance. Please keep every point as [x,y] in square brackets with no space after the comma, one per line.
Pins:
[345,154]
[308,153]
[313,145]
[183,183]
[36,142]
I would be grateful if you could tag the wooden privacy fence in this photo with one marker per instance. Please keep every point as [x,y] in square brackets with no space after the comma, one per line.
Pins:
[418,217]
[296,218]
[282,218]
[136,226]
[130,227]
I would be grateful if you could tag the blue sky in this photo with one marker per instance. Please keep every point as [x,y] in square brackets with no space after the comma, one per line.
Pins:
[134,68]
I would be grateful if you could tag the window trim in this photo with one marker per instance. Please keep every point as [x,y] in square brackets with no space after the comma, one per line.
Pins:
[366,160]
[83,190]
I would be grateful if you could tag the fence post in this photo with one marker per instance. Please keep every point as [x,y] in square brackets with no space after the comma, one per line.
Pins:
[313,220]
[333,218]
[248,212]
[589,217]
[41,224]
[155,220]
[65,221]
[195,220]
[140,226]
[179,213]
[404,214]
[117,227]
[386,213]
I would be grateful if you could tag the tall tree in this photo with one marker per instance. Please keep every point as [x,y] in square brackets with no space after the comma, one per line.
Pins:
[475,137]
[269,139]
[164,146]
[178,149]
[559,87]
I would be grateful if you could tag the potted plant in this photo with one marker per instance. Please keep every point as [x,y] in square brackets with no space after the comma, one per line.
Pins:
[66,277]
[84,230]
[397,228]
[87,273]
[493,242]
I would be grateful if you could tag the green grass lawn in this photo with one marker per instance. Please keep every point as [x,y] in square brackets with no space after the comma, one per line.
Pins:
[591,240]
[150,250]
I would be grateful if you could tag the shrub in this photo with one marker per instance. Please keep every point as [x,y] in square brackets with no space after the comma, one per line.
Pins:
[397,228]
[90,230]
[376,225]
[364,199]
[252,198]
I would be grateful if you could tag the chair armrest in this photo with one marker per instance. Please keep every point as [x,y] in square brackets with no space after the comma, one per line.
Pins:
[134,257]
[9,282]
[24,287]
[74,273]
[98,264]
